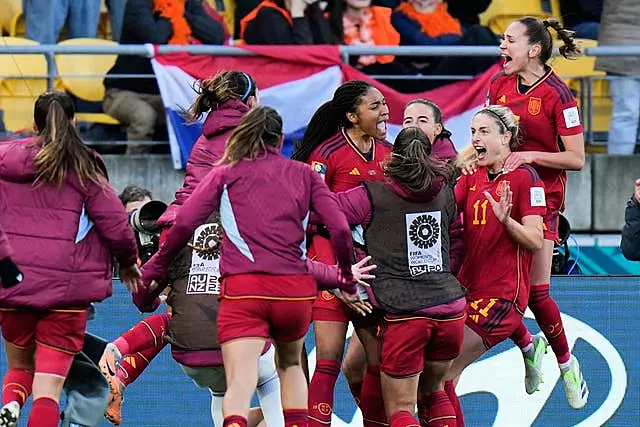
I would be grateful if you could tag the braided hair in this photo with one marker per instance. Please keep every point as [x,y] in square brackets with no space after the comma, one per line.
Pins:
[330,117]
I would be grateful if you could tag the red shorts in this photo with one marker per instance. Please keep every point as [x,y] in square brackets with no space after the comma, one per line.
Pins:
[493,319]
[550,220]
[408,341]
[285,321]
[58,330]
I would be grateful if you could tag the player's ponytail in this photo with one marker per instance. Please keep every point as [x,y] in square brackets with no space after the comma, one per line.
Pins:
[330,117]
[411,164]
[62,150]
[259,128]
[223,87]
[538,32]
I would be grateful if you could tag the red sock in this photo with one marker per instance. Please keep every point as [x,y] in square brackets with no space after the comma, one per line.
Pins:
[371,403]
[145,334]
[133,365]
[16,386]
[235,421]
[450,390]
[403,419]
[423,410]
[521,336]
[321,391]
[356,389]
[547,315]
[441,412]
[296,417]
[45,412]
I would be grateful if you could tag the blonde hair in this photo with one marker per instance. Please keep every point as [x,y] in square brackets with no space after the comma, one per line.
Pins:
[259,128]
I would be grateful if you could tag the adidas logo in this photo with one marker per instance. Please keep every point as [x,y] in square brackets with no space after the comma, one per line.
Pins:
[354,171]
[473,187]
[502,99]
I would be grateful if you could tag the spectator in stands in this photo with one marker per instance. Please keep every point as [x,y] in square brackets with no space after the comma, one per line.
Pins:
[582,16]
[429,23]
[618,27]
[45,18]
[136,102]
[116,15]
[425,23]
[286,22]
[467,12]
[630,243]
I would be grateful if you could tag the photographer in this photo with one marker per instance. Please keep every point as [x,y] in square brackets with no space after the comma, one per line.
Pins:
[630,243]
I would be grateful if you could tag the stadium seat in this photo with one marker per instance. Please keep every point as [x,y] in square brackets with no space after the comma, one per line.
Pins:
[226,8]
[11,17]
[23,79]
[576,73]
[501,12]
[90,70]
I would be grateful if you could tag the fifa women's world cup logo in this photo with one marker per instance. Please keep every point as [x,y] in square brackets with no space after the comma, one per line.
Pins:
[207,242]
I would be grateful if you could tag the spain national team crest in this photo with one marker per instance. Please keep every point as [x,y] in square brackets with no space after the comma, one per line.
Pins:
[535,105]
[500,188]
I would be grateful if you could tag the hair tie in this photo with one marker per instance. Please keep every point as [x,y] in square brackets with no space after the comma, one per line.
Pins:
[249,87]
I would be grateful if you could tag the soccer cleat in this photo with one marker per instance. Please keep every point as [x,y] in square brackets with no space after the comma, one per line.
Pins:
[109,361]
[113,413]
[533,364]
[575,387]
[9,414]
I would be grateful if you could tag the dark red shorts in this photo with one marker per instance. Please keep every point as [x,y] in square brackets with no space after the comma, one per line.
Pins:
[282,320]
[551,220]
[408,341]
[493,319]
[59,330]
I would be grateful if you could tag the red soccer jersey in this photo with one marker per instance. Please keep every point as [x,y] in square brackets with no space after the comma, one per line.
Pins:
[344,167]
[546,111]
[494,265]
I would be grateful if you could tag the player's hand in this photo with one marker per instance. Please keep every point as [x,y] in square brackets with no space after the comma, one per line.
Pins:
[637,192]
[502,208]
[516,159]
[354,302]
[131,277]
[361,271]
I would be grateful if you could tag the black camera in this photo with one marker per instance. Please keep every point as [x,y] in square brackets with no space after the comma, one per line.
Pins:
[144,222]
[562,263]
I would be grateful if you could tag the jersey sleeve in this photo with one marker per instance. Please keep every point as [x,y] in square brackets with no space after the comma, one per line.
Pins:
[567,114]
[323,166]
[529,194]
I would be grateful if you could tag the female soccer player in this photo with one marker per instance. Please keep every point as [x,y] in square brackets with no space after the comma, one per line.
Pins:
[264,201]
[344,143]
[503,213]
[553,143]
[427,116]
[225,99]
[406,221]
[65,223]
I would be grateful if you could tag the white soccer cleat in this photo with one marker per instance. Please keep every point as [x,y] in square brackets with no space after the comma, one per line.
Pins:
[110,361]
[9,414]
[533,364]
[575,387]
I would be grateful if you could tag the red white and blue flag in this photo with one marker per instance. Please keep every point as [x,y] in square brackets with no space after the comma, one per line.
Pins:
[296,81]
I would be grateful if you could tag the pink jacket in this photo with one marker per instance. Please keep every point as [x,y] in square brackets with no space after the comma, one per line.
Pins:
[62,239]
[264,206]
[5,249]
[207,150]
